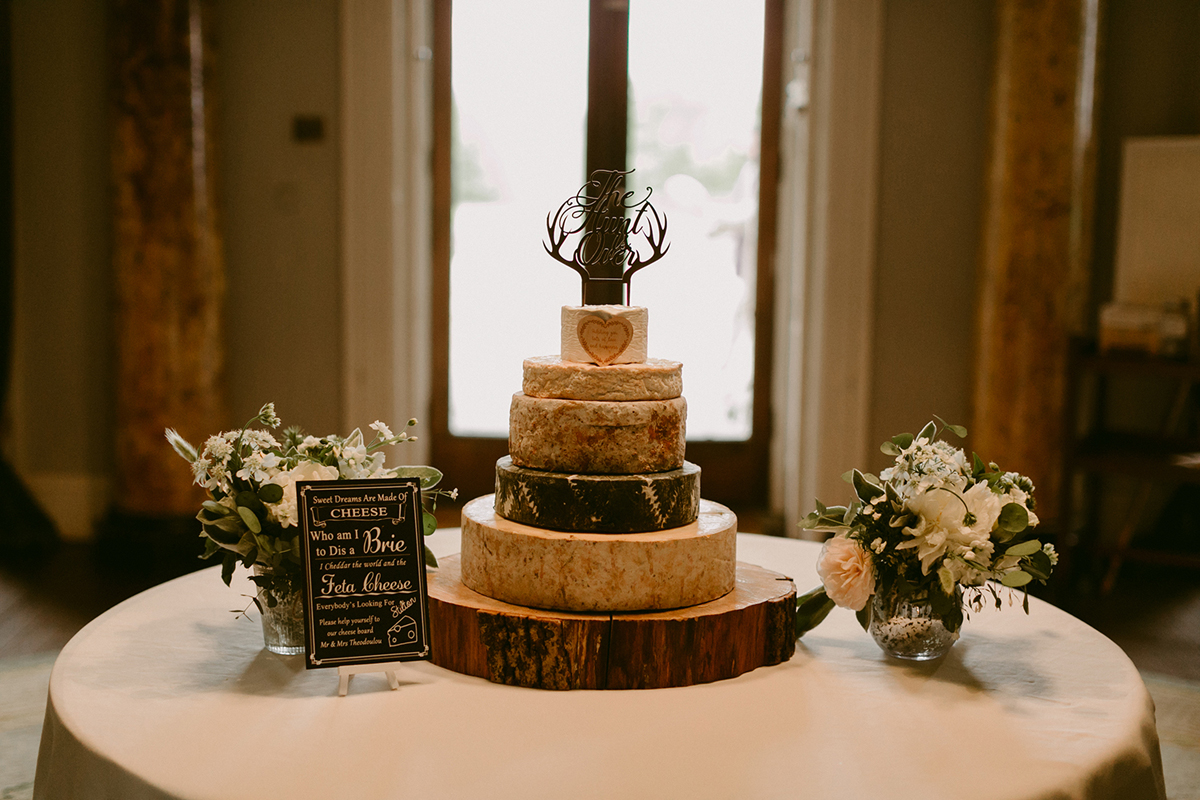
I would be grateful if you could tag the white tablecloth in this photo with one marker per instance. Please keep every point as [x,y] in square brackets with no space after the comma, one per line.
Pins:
[170,695]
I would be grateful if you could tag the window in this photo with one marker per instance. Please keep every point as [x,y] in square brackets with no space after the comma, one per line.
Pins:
[530,98]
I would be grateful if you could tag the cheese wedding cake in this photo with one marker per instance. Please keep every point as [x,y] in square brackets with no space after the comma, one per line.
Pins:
[595,564]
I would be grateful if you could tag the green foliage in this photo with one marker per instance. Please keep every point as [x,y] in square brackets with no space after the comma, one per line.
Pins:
[811,610]
[866,486]
[1014,518]
[247,519]
[957,430]
[429,476]
[931,548]
[270,493]
[1016,579]
[864,614]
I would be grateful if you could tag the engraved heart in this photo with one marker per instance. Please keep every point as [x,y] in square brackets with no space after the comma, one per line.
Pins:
[604,339]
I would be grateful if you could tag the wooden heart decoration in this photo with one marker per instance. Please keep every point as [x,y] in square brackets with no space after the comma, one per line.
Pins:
[604,339]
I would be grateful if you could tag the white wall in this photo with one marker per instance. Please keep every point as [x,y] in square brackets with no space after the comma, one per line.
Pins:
[279,201]
[937,64]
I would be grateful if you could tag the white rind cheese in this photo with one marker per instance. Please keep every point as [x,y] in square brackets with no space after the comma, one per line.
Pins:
[574,350]
[589,572]
[552,376]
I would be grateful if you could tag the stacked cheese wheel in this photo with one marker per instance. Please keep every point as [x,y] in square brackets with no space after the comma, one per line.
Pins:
[595,507]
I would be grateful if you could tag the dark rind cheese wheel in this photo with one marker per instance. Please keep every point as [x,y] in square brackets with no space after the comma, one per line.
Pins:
[598,503]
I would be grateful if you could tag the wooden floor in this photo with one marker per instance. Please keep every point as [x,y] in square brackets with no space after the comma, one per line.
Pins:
[1153,613]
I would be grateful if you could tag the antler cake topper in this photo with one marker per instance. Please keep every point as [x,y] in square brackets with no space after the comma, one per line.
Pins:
[605,219]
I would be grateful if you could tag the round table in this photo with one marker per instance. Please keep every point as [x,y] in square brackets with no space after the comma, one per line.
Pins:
[171,695]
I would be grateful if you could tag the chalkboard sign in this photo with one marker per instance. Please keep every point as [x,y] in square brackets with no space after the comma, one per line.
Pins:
[364,569]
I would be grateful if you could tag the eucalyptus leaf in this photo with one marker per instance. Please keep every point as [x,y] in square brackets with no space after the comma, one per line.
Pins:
[977,465]
[428,523]
[214,507]
[1039,565]
[946,580]
[251,521]
[270,493]
[889,449]
[1016,579]
[1025,548]
[957,430]
[1014,518]
[230,524]
[430,558]
[903,440]
[928,432]
[429,476]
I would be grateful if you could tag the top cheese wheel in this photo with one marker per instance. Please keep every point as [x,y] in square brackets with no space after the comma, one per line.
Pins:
[604,334]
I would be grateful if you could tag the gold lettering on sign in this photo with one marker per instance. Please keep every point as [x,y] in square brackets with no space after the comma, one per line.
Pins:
[604,339]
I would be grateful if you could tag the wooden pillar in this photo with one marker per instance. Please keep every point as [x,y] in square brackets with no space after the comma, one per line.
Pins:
[1033,273]
[166,250]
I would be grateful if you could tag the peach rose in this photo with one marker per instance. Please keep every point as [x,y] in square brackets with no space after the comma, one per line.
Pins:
[847,572]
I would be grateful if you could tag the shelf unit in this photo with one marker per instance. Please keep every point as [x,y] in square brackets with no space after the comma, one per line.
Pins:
[1152,460]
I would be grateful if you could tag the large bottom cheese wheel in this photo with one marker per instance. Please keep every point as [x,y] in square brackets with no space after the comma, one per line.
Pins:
[537,568]
[597,437]
[563,501]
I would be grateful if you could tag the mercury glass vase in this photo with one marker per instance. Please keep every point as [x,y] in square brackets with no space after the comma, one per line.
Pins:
[908,627]
[282,614]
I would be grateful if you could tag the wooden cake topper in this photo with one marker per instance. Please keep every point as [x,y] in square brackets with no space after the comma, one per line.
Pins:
[603,218]
[604,338]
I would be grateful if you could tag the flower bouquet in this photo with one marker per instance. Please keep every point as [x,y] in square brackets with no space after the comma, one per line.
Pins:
[932,533]
[252,518]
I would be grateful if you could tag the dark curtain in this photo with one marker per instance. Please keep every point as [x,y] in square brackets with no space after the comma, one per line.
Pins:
[25,529]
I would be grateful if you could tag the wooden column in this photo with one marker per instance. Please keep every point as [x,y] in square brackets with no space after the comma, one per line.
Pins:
[166,250]
[1033,273]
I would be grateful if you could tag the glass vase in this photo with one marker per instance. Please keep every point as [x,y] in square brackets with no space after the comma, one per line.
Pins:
[282,605]
[909,628]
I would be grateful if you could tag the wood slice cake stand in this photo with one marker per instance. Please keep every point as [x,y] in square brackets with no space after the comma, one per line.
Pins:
[752,626]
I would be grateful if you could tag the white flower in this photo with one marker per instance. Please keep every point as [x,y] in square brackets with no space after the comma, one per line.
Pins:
[308,444]
[925,465]
[261,440]
[847,572]
[218,447]
[949,523]
[878,546]
[259,467]
[383,430]
[285,512]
